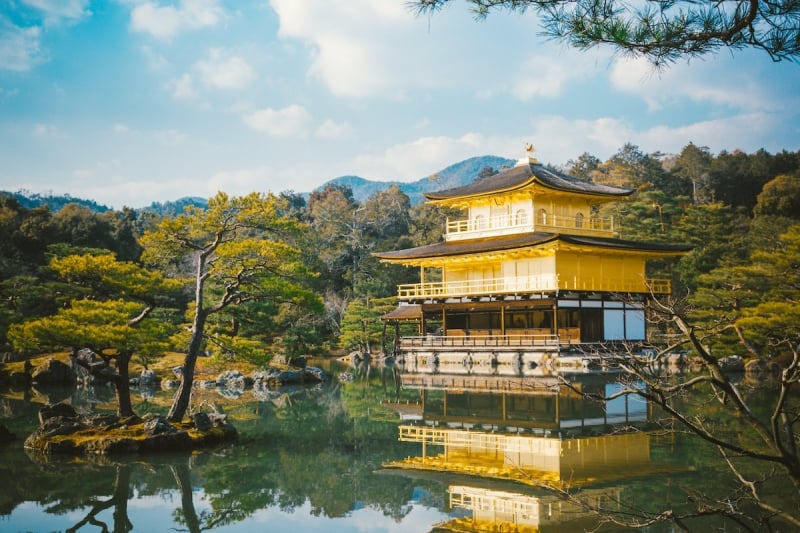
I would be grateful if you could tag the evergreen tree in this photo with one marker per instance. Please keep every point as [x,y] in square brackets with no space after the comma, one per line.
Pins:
[663,32]
[114,319]
[242,251]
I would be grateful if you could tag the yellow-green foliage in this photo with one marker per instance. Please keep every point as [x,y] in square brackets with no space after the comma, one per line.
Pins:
[361,326]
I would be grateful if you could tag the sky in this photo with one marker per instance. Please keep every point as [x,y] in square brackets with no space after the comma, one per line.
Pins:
[128,102]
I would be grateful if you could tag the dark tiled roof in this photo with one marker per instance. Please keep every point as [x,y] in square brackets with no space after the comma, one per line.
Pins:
[510,242]
[625,245]
[524,174]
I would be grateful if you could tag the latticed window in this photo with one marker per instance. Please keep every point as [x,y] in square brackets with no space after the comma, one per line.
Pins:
[543,216]
[579,220]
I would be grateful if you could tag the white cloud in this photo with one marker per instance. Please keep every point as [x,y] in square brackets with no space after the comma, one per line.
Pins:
[543,76]
[224,71]
[166,137]
[717,84]
[334,130]
[415,159]
[241,181]
[46,130]
[20,48]
[290,121]
[422,123]
[219,70]
[101,169]
[165,22]
[746,132]
[8,93]
[117,190]
[182,88]
[374,48]
[557,140]
[170,137]
[55,11]
[155,60]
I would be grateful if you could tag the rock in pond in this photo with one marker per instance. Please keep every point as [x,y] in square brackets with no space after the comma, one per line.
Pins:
[64,431]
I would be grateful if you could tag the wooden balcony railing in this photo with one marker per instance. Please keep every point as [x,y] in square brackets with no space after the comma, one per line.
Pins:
[529,284]
[488,341]
[509,224]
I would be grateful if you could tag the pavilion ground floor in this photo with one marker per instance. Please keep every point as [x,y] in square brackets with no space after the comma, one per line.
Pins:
[516,336]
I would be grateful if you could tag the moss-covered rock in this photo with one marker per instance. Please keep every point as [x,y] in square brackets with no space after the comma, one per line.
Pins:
[62,431]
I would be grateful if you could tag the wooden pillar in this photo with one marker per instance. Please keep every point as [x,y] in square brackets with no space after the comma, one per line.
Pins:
[555,317]
[396,341]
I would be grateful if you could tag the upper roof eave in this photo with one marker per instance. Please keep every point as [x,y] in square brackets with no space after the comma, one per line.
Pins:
[524,240]
[523,175]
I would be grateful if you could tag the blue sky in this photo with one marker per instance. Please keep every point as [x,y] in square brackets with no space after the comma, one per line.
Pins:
[133,101]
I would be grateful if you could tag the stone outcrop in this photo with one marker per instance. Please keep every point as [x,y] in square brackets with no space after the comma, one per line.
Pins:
[732,363]
[147,378]
[62,430]
[275,377]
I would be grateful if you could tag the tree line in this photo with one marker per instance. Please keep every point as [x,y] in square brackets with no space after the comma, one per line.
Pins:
[293,275]
[737,210]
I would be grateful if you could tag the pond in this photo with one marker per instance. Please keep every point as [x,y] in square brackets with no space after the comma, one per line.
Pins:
[375,452]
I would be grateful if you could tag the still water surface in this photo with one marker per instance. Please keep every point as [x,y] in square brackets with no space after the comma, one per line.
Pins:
[314,459]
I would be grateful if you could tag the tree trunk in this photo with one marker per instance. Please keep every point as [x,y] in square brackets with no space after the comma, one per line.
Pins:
[119,377]
[181,402]
[182,477]
[122,383]
[122,491]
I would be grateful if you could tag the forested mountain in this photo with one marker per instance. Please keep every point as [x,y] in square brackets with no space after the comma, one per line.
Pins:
[55,202]
[455,175]
[175,207]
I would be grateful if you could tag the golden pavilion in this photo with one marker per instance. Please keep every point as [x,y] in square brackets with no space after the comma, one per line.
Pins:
[532,272]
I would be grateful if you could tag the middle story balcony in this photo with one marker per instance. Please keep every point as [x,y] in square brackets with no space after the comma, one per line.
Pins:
[479,227]
[527,285]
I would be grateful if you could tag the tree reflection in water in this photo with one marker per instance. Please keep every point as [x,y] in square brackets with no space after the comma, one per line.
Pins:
[312,448]
[118,500]
[319,455]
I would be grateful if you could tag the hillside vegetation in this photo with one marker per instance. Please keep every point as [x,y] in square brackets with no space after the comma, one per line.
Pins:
[739,211]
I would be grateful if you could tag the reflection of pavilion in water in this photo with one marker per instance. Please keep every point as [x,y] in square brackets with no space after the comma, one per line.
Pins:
[524,513]
[543,406]
[540,432]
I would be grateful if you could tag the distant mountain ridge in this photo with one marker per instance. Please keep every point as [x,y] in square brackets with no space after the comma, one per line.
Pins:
[30,200]
[455,175]
[175,207]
